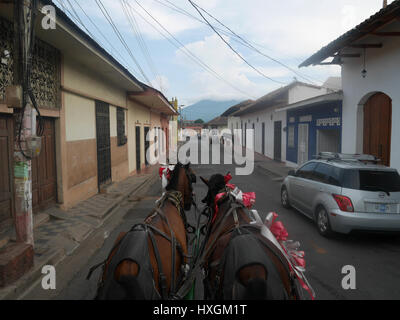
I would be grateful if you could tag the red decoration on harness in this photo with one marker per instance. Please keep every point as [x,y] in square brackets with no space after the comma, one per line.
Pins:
[231,186]
[227,178]
[216,209]
[161,172]
[248,199]
[279,231]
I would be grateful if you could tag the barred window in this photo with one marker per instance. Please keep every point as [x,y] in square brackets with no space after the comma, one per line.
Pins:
[121,126]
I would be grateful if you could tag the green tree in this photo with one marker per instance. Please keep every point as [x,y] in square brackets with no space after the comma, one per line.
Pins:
[199,121]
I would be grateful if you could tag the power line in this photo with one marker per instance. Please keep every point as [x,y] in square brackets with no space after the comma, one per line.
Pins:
[234,36]
[254,48]
[227,43]
[186,51]
[101,33]
[120,37]
[142,44]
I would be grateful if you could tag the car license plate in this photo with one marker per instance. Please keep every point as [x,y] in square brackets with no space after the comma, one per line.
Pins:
[382,208]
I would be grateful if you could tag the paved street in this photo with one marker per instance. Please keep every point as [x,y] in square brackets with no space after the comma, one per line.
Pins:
[375,257]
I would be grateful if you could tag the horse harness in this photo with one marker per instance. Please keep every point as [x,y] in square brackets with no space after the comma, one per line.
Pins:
[134,253]
[236,232]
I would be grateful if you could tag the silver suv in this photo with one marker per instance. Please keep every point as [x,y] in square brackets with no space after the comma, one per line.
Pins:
[342,193]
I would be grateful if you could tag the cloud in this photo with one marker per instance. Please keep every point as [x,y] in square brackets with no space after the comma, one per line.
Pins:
[243,82]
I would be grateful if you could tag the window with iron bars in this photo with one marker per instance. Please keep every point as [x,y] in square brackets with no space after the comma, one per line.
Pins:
[121,137]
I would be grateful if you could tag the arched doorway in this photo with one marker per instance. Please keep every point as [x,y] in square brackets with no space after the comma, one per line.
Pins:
[378,127]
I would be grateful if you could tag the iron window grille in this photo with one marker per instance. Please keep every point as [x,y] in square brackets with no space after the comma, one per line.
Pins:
[121,137]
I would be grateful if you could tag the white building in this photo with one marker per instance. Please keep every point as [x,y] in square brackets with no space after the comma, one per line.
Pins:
[268,124]
[370,58]
[233,120]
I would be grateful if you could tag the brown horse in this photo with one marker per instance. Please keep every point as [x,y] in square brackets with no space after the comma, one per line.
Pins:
[239,263]
[148,261]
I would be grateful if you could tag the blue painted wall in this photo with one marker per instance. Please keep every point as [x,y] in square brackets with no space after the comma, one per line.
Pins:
[320,111]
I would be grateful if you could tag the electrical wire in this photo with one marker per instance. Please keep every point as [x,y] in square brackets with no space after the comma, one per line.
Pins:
[249,45]
[183,48]
[237,53]
[239,39]
[102,34]
[120,37]
[142,44]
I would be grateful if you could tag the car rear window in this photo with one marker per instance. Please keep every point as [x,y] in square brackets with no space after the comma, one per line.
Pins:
[371,180]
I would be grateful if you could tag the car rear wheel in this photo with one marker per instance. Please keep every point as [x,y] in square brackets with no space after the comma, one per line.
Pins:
[322,220]
[285,198]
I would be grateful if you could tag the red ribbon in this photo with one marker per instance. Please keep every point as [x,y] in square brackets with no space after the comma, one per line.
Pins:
[227,178]
[279,231]
[248,198]
[161,172]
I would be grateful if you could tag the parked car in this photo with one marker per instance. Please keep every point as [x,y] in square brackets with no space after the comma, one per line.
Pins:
[342,193]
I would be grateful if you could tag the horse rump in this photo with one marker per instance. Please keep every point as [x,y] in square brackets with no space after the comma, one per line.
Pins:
[249,273]
[132,283]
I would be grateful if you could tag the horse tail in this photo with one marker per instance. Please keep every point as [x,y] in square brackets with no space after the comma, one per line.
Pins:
[256,289]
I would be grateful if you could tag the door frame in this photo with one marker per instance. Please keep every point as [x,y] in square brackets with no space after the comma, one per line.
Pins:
[368,124]
[99,104]
[5,225]
[138,148]
[306,125]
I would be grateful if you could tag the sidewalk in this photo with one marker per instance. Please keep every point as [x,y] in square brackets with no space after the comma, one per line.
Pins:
[271,167]
[58,234]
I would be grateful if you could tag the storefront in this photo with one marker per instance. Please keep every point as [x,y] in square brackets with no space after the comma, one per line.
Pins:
[313,126]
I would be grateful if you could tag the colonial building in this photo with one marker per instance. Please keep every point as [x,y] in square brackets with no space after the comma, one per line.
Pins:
[269,125]
[96,115]
[369,55]
[313,125]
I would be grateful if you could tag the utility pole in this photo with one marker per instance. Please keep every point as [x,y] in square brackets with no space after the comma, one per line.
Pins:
[18,257]
[25,120]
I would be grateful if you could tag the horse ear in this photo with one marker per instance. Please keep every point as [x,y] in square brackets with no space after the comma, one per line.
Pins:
[187,165]
[205,181]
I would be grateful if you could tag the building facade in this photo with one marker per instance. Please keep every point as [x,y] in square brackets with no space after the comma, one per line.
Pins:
[95,115]
[313,125]
[269,124]
[369,57]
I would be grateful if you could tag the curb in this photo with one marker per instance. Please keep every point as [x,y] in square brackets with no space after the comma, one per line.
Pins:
[27,283]
[271,172]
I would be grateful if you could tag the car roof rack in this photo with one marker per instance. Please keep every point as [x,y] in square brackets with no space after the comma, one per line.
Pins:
[347,157]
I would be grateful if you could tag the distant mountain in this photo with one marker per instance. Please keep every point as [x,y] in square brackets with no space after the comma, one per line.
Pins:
[207,109]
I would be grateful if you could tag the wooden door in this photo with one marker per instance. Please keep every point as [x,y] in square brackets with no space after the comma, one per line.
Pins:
[378,127]
[6,172]
[138,160]
[278,140]
[103,143]
[44,177]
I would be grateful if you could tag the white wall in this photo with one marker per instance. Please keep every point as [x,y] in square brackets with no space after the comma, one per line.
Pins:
[80,118]
[383,75]
[299,93]
[269,116]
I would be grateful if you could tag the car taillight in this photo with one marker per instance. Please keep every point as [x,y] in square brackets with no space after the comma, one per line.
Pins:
[344,203]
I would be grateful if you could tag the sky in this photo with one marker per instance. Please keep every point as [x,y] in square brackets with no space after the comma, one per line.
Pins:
[183,57]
